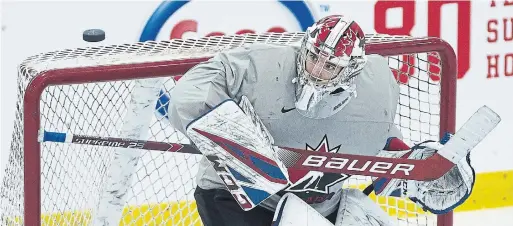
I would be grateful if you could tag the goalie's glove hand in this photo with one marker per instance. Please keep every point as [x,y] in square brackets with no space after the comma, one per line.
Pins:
[446,193]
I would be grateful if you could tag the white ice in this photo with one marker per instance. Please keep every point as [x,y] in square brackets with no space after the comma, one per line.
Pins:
[487,217]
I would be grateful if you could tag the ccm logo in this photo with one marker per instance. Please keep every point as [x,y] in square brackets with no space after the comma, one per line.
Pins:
[230,182]
[370,166]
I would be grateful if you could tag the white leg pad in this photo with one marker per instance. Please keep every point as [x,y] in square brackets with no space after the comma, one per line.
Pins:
[293,211]
[357,209]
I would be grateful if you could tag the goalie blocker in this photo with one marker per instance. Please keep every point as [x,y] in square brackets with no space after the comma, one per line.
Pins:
[241,150]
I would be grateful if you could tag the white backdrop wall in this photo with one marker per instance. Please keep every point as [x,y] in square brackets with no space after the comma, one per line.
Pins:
[481,32]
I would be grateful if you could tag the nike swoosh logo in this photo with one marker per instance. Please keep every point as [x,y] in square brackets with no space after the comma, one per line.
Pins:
[283,110]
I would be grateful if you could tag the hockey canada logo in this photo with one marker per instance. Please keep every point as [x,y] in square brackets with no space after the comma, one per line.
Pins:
[313,186]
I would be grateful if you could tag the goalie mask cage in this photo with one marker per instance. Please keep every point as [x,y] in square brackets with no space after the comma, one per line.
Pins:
[121,91]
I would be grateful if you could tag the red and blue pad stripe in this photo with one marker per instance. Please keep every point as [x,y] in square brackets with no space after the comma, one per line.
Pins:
[264,166]
[245,190]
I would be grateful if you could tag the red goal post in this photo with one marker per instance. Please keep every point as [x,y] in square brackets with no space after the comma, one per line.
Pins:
[429,63]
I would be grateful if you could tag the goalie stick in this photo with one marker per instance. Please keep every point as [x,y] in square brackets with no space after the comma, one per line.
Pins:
[482,122]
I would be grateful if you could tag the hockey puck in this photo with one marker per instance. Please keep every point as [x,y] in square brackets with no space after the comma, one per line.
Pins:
[93,35]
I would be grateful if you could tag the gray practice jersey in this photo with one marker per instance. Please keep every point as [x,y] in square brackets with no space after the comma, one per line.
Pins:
[264,74]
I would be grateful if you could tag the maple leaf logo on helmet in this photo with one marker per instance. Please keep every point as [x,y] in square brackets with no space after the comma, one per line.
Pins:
[338,35]
[332,54]
[324,29]
[346,44]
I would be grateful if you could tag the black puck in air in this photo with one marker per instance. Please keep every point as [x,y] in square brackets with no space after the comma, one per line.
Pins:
[93,35]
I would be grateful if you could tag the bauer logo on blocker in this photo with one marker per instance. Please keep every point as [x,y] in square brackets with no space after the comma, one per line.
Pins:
[189,19]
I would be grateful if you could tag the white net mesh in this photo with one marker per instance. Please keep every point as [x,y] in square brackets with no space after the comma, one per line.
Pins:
[162,186]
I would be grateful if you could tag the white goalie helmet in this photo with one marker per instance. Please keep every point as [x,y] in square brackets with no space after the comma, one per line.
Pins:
[332,53]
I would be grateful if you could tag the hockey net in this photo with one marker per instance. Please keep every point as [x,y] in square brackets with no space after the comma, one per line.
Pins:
[95,91]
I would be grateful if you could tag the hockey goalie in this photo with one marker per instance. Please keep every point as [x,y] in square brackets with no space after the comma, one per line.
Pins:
[324,95]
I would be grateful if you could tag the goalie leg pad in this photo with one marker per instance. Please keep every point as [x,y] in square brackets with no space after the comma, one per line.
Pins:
[357,209]
[241,152]
[293,211]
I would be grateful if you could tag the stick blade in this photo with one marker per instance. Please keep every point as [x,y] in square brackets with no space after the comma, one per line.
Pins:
[477,127]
